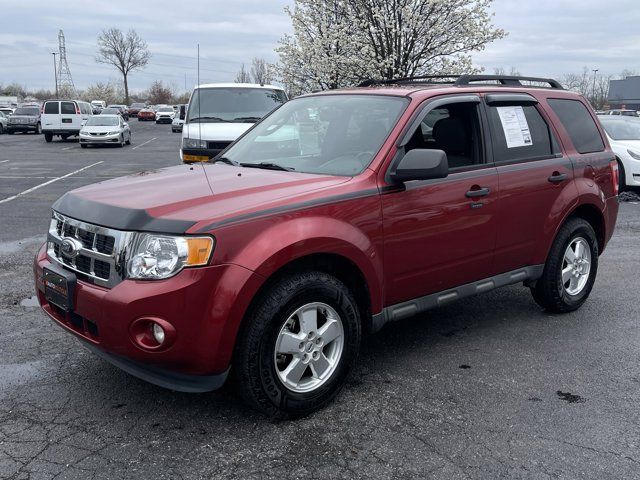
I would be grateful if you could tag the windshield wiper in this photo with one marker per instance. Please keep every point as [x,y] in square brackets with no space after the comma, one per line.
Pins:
[267,166]
[226,160]
[247,119]
[217,119]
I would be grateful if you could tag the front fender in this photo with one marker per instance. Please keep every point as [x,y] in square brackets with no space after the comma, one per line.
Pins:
[280,242]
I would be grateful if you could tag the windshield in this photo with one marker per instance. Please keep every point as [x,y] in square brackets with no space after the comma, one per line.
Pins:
[102,121]
[233,104]
[137,105]
[622,128]
[33,111]
[111,111]
[324,134]
[165,109]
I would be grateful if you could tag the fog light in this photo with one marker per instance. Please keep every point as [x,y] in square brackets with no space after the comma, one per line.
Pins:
[158,333]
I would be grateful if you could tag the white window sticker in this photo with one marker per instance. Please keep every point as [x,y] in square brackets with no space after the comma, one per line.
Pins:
[515,126]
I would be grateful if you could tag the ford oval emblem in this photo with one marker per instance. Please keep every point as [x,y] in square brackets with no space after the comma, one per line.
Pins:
[70,247]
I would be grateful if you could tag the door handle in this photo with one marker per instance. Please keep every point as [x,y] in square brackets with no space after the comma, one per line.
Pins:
[479,192]
[557,177]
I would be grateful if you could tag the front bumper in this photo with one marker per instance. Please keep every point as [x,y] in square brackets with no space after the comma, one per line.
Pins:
[204,305]
[164,120]
[99,140]
[22,127]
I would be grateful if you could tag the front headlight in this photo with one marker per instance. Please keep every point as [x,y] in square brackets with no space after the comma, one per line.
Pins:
[155,257]
[193,143]
[116,132]
[633,154]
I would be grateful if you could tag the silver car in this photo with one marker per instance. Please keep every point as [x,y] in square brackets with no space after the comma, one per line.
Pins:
[104,130]
[3,122]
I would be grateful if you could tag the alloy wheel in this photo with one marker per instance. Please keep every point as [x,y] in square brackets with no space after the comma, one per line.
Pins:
[576,266]
[309,347]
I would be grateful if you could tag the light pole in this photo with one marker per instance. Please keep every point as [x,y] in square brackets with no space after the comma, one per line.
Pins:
[55,72]
[595,70]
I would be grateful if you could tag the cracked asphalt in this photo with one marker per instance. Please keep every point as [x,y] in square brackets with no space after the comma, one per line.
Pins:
[489,387]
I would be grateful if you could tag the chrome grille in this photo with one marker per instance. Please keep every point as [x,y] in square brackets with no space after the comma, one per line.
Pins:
[102,256]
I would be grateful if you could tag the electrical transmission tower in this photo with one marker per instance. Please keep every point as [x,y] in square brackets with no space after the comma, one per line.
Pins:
[65,82]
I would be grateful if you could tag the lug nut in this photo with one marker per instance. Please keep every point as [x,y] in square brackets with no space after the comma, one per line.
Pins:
[301,346]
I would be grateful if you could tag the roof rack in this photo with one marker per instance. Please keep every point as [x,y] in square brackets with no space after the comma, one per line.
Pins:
[465,80]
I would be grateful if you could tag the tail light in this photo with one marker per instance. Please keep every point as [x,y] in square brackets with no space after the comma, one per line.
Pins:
[615,176]
[42,109]
[77,109]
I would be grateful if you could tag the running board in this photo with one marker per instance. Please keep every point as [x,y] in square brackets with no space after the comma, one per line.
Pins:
[419,305]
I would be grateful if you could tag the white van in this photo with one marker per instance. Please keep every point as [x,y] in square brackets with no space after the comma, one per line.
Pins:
[64,117]
[219,113]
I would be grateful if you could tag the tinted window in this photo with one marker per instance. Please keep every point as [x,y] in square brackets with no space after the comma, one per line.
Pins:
[103,121]
[531,139]
[51,107]
[453,128]
[33,111]
[579,125]
[68,107]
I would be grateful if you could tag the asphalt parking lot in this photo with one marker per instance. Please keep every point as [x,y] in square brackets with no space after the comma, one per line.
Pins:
[490,387]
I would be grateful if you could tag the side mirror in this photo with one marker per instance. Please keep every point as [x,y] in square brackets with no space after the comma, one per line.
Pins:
[182,112]
[421,164]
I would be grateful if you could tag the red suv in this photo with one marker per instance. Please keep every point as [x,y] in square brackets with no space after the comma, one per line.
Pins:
[337,213]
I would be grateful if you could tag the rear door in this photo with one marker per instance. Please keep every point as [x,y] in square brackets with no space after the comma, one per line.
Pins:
[536,178]
[51,116]
[70,115]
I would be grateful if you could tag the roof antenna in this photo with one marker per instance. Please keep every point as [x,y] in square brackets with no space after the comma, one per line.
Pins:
[199,112]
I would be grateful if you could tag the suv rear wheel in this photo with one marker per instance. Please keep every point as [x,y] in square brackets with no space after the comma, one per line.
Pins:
[299,344]
[48,137]
[570,270]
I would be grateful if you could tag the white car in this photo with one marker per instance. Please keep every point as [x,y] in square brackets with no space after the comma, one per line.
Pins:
[624,136]
[3,122]
[219,113]
[105,130]
[165,115]
[177,124]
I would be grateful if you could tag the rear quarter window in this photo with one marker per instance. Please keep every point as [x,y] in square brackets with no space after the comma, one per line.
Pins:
[68,108]
[579,124]
[52,107]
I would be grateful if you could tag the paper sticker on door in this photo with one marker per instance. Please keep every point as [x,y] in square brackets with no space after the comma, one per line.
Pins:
[515,126]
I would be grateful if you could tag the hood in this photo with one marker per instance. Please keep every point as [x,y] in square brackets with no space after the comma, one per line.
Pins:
[624,144]
[100,129]
[215,132]
[173,199]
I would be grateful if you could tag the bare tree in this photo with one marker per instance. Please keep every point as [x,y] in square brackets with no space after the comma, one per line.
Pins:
[593,86]
[243,76]
[260,71]
[159,93]
[513,72]
[126,53]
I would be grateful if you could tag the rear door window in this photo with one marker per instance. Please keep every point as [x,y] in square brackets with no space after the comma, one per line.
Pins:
[579,124]
[52,107]
[68,108]
[519,133]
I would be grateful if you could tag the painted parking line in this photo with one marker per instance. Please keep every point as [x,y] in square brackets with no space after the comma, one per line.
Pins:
[4,161]
[69,148]
[142,144]
[8,199]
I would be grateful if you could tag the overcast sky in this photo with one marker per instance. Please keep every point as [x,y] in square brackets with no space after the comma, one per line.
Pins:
[546,37]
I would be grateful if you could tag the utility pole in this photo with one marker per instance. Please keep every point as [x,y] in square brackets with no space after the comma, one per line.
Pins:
[595,70]
[55,73]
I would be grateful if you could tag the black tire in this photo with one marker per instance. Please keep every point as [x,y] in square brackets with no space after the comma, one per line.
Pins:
[1,129]
[121,144]
[549,291]
[10,132]
[622,179]
[38,129]
[128,142]
[48,137]
[83,145]
[254,366]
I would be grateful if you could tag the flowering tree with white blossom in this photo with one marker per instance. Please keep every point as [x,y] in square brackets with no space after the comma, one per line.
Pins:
[337,43]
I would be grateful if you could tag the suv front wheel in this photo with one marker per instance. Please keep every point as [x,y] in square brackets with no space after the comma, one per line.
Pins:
[298,345]
[570,270]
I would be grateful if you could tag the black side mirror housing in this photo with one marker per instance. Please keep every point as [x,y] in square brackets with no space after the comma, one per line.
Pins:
[421,164]
[182,112]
